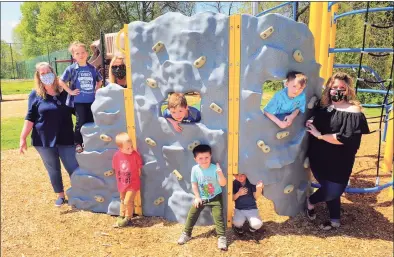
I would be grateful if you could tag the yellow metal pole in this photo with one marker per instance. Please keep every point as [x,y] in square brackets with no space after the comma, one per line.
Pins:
[333,32]
[323,52]
[316,9]
[388,151]
[129,106]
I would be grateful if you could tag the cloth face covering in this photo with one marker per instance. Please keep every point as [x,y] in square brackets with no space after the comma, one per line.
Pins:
[47,79]
[119,71]
[339,95]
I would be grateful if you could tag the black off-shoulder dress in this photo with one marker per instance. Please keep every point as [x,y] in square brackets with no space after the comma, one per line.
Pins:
[335,162]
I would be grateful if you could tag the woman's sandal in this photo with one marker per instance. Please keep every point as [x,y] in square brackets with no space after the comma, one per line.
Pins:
[78,148]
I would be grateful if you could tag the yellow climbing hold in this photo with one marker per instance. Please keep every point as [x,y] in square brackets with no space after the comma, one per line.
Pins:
[282,134]
[99,198]
[216,108]
[177,174]
[265,148]
[288,189]
[150,141]
[266,33]
[200,62]
[157,47]
[306,163]
[105,138]
[159,200]
[151,82]
[312,102]
[109,173]
[297,55]
[192,145]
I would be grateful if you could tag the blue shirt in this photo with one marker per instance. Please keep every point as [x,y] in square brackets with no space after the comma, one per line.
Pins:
[194,115]
[207,181]
[52,120]
[245,202]
[281,103]
[83,78]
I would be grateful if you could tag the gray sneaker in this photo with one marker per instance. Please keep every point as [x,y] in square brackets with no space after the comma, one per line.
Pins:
[184,238]
[222,243]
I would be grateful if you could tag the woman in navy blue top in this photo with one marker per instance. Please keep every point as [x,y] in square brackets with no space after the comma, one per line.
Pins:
[51,124]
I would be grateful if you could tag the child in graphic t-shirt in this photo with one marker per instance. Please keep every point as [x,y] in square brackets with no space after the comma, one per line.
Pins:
[207,180]
[84,81]
[126,164]
[287,103]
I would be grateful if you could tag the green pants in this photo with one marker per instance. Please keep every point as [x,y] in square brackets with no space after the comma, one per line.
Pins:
[216,204]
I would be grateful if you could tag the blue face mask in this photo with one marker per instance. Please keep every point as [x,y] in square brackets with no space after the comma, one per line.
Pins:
[47,79]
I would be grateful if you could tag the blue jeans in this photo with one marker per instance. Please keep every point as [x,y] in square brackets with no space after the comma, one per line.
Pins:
[329,192]
[51,157]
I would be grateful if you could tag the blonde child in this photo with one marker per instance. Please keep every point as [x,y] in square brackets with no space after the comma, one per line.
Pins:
[287,103]
[84,81]
[126,164]
[179,112]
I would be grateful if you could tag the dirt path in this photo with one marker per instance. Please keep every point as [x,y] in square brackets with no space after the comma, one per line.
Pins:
[13,108]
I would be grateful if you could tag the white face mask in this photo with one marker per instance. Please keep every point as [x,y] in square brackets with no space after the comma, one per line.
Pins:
[47,79]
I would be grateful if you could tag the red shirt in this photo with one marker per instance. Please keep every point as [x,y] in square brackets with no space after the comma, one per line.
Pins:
[126,167]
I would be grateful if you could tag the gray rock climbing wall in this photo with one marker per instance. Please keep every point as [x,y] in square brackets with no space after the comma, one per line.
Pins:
[271,58]
[93,183]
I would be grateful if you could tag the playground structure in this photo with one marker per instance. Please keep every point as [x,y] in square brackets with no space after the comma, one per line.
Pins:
[203,53]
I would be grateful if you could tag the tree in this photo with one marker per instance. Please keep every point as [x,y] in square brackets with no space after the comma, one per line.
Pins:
[221,7]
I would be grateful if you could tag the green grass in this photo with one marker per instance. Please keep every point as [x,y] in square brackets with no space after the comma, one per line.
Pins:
[10,87]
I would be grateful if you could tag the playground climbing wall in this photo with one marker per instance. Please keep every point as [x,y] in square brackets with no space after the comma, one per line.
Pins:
[176,53]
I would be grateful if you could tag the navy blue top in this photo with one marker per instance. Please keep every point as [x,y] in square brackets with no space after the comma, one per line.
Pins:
[52,120]
[245,202]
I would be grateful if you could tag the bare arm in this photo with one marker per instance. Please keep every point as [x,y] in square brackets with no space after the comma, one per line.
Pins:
[278,122]
[222,179]
[331,138]
[195,190]
[64,86]
[27,127]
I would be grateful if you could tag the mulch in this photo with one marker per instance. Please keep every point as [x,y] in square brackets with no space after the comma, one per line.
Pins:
[32,226]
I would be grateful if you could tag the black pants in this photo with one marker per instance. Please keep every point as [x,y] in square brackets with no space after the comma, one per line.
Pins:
[330,193]
[84,115]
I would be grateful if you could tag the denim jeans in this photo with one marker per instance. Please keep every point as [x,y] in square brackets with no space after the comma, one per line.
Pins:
[51,157]
[329,192]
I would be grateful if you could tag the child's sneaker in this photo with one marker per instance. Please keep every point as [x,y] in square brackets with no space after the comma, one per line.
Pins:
[119,218]
[222,243]
[123,223]
[60,201]
[310,213]
[238,231]
[184,238]
[328,225]
[252,230]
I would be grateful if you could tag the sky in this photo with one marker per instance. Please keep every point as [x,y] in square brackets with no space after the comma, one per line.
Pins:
[11,15]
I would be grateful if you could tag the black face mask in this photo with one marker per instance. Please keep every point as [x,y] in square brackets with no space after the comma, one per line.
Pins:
[339,95]
[119,71]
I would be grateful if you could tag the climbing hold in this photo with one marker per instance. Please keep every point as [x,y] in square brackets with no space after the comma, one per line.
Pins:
[266,33]
[150,141]
[288,189]
[159,200]
[109,173]
[282,134]
[99,198]
[151,82]
[192,145]
[105,138]
[216,108]
[157,47]
[265,148]
[312,102]
[200,62]
[297,55]
[177,174]
[306,163]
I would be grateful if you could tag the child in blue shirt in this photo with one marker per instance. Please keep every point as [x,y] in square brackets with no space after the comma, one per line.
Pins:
[179,112]
[287,103]
[84,81]
[207,180]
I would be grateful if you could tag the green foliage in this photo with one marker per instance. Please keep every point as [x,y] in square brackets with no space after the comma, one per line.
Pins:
[9,57]
[12,87]
[10,132]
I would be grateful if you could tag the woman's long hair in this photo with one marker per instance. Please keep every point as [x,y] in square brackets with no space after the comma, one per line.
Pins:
[351,93]
[111,77]
[39,86]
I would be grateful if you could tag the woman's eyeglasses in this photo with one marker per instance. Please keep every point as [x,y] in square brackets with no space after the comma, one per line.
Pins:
[57,100]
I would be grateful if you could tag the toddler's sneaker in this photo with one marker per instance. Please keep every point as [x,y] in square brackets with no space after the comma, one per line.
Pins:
[123,223]
[119,218]
[222,243]
[328,225]
[60,201]
[310,213]
[184,238]
[238,231]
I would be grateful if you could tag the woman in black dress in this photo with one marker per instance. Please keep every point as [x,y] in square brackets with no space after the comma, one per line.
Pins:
[336,130]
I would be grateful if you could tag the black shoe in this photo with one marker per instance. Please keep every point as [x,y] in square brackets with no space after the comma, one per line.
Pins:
[238,231]
[310,213]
